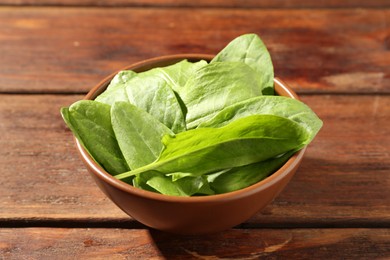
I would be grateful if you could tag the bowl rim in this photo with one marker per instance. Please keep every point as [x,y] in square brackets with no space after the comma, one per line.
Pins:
[100,173]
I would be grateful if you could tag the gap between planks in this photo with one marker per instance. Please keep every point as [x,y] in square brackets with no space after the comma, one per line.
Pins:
[132,224]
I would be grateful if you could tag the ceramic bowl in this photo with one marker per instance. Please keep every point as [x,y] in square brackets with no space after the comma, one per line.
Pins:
[189,215]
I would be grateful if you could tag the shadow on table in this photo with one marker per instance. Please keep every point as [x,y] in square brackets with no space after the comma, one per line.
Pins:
[226,244]
[181,246]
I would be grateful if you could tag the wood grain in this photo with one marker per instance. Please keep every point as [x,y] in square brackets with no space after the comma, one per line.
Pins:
[207,3]
[41,172]
[344,179]
[44,243]
[68,50]
[335,54]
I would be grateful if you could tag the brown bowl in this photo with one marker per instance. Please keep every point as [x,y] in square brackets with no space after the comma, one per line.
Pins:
[189,215]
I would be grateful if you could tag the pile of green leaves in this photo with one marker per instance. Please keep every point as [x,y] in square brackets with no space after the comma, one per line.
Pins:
[195,128]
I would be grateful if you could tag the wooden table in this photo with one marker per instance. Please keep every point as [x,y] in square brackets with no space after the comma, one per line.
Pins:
[336,57]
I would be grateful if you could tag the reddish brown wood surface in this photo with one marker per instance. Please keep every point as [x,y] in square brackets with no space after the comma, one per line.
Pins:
[44,243]
[208,3]
[343,180]
[62,50]
[334,53]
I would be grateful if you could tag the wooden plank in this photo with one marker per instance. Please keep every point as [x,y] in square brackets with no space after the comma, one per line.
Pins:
[207,3]
[57,50]
[41,171]
[343,180]
[44,243]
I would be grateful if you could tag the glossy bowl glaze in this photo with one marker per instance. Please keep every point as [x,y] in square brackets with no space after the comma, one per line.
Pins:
[189,215]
